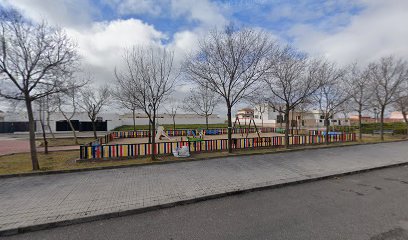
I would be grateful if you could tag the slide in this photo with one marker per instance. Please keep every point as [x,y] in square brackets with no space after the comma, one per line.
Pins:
[161,133]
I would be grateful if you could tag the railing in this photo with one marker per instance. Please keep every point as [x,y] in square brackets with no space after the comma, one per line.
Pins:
[321,132]
[144,149]
[102,140]
[212,131]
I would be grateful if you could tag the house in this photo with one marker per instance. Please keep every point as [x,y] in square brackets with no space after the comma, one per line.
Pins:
[396,117]
[272,117]
[267,115]
[244,115]
[364,119]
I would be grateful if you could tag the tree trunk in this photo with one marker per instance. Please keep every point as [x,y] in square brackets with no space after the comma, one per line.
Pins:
[153,144]
[229,130]
[70,125]
[206,121]
[360,134]
[174,123]
[94,128]
[31,126]
[49,127]
[404,114]
[73,131]
[287,120]
[327,136]
[134,119]
[382,123]
[150,131]
[44,134]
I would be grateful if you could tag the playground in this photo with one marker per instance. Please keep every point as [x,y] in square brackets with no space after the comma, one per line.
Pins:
[194,136]
[199,134]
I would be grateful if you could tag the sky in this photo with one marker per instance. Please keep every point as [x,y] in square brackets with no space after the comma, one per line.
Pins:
[344,31]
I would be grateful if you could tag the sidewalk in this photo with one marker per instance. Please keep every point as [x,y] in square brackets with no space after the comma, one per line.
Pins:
[15,145]
[35,202]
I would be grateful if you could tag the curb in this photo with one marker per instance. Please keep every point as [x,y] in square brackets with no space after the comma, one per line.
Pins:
[44,226]
[296,149]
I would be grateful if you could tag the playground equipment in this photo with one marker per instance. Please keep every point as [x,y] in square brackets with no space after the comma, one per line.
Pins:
[251,120]
[161,133]
[192,136]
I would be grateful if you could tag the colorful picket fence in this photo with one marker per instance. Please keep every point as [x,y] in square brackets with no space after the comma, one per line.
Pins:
[321,132]
[143,149]
[213,131]
[102,140]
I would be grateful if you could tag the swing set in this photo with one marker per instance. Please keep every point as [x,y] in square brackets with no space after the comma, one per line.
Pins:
[251,120]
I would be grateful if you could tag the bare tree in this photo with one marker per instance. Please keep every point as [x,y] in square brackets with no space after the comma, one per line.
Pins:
[67,103]
[92,101]
[291,80]
[229,63]
[201,101]
[172,107]
[151,73]
[258,100]
[41,114]
[32,57]
[332,94]
[50,107]
[386,77]
[357,84]
[303,107]
[126,95]
[401,103]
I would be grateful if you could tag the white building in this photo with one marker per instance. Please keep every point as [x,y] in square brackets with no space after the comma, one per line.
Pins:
[272,117]
[267,115]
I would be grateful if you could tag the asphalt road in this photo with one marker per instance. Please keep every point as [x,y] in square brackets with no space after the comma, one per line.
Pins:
[371,205]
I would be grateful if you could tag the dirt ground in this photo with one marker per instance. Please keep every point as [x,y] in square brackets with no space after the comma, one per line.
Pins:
[206,137]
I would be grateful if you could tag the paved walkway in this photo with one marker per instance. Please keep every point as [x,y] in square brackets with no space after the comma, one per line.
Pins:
[16,145]
[28,201]
[10,145]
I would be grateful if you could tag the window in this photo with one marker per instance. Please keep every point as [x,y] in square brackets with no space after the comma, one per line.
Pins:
[321,117]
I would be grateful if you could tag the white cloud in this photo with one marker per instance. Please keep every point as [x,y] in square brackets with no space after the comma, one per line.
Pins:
[377,31]
[102,43]
[183,43]
[57,12]
[151,7]
[101,46]
[204,11]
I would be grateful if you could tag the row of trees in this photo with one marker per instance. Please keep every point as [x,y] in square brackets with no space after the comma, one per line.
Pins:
[231,65]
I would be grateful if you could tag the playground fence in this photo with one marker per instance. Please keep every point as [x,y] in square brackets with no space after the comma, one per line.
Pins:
[215,131]
[123,151]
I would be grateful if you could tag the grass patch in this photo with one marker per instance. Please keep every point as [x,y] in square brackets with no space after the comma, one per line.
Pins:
[54,142]
[368,138]
[59,160]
